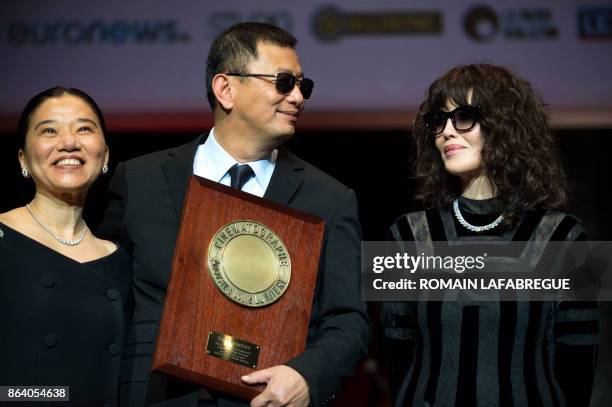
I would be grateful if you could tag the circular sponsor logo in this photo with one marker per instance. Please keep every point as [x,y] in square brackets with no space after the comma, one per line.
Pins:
[249,263]
[481,23]
[329,23]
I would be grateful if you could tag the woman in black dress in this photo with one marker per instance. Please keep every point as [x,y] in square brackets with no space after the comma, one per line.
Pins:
[63,292]
[488,166]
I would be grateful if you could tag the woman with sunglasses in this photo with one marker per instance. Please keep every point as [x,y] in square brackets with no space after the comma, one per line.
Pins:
[487,164]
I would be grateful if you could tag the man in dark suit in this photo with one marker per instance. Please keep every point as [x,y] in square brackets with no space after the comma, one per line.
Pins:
[256,88]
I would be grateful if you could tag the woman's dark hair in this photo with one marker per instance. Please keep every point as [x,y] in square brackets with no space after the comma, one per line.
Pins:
[39,99]
[519,154]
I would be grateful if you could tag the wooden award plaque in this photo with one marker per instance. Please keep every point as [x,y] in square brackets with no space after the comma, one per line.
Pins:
[241,288]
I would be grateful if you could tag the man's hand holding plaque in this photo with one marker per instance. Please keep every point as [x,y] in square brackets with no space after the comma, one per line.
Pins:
[284,387]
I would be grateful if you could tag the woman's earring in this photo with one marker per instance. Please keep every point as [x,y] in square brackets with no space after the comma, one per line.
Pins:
[104,169]
[25,173]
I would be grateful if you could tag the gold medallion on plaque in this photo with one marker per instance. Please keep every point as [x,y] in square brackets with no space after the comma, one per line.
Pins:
[249,263]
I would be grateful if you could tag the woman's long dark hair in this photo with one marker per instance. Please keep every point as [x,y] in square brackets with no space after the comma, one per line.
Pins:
[519,153]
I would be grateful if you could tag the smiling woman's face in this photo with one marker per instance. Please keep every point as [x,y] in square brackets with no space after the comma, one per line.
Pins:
[64,147]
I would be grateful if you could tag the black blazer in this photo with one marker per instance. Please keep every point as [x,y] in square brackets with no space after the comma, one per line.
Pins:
[147,195]
[63,322]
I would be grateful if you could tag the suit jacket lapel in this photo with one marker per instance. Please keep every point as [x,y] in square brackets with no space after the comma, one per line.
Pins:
[287,177]
[178,170]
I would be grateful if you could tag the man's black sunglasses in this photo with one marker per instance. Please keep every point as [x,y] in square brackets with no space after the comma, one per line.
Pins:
[463,118]
[285,82]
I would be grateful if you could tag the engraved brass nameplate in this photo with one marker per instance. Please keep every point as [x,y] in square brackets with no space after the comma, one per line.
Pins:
[232,349]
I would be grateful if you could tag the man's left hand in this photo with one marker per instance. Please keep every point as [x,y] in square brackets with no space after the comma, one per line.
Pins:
[284,387]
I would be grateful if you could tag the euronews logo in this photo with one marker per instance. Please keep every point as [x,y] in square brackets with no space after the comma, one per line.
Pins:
[76,32]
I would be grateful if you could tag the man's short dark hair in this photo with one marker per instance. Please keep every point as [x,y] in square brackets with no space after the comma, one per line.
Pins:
[235,48]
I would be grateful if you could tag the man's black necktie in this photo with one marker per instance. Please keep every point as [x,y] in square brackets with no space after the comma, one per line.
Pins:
[240,174]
